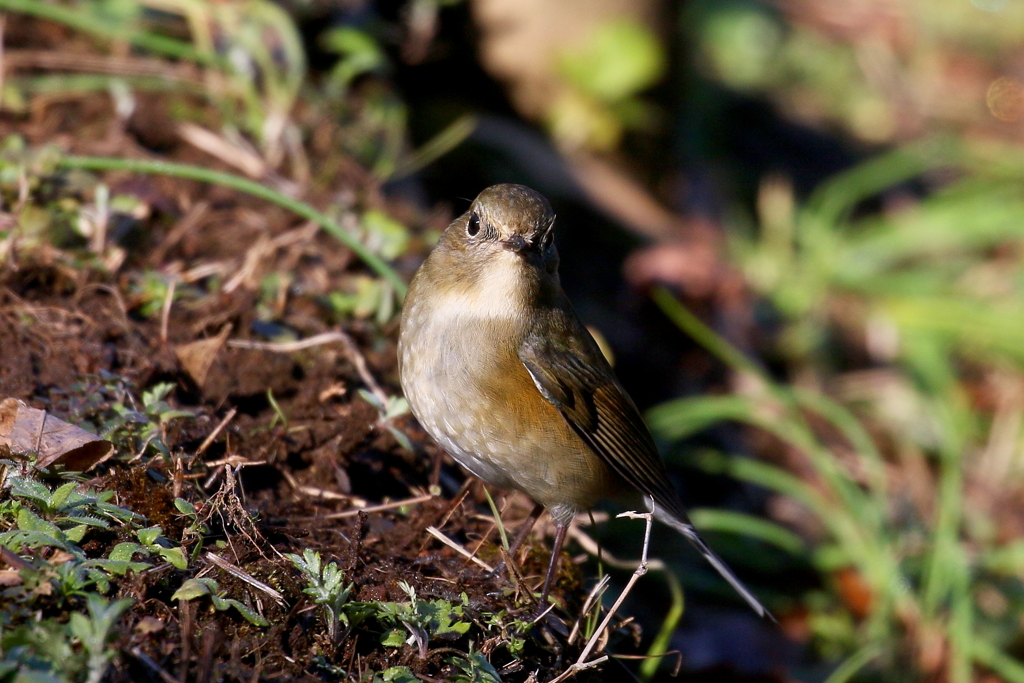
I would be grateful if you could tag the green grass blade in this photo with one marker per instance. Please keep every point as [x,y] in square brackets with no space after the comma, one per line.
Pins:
[988,655]
[497,519]
[702,334]
[659,646]
[707,519]
[857,661]
[250,187]
[82,21]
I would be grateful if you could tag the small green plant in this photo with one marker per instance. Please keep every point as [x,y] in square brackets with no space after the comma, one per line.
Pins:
[65,505]
[364,297]
[150,543]
[417,621]
[389,408]
[48,650]
[196,529]
[396,674]
[474,669]
[58,519]
[150,292]
[326,585]
[603,76]
[109,405]
[511,631]
[358,54]
[197,588]
[37,517]
[94,631]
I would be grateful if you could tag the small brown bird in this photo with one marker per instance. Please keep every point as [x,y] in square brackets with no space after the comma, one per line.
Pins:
[498,368]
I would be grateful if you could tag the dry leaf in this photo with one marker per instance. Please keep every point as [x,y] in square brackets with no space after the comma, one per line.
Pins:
[10,577]
[197,357]
[149,625]
[25,430]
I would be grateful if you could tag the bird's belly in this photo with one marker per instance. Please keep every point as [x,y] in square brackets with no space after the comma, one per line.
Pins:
[479,403]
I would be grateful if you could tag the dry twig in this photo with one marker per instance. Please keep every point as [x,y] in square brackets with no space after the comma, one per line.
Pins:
[208,441]
[377,508]
[458,548]
[581,663]
[247,578]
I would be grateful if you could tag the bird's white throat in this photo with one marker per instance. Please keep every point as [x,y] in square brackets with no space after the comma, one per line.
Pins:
[498,291]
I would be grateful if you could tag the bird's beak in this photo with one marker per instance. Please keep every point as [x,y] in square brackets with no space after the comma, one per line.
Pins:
[517,244]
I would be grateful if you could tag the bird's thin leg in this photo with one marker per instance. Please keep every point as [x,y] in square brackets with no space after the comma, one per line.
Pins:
[556,553]
[524,531]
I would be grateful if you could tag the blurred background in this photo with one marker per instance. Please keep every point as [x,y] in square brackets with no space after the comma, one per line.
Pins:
[798,224]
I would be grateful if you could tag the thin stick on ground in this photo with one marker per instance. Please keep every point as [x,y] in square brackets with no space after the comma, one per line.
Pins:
[245,576]
[165,309]
[641,569]
[433,531]
[596,593]
[208,441]
[377,508]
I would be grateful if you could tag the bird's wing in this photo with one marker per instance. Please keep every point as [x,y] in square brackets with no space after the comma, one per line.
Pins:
[569,370]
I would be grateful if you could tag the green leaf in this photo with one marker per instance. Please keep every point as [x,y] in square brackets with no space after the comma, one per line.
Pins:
[401,437]
[31,489]
[249,615]
[397,406]
[86,520]
[158,393]
[123,552]
[620,58]
[59,496]
[988,655]
[18,538]
[30,521]
[117,567]
[386,236]
[168,415]
[396,674]
[394,638]
[475,669]
[194,588]
[148,536]
[185,507]
[684,417]
[175,556]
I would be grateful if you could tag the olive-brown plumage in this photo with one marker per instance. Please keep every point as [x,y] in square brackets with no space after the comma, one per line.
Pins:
[501,372]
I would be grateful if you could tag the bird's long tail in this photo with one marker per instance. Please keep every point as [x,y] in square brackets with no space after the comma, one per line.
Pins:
[687,530]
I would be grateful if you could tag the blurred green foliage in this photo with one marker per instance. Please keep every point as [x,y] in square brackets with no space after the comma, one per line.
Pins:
[882,72]
[906,463]
[605,75]
[897,288]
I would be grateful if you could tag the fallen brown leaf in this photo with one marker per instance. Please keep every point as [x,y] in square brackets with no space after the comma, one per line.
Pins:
[25,430]
[197,357]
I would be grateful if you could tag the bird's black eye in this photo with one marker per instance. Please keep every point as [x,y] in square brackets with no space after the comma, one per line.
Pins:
[473,228]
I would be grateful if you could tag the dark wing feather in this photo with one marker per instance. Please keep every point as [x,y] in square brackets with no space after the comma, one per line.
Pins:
[569,370]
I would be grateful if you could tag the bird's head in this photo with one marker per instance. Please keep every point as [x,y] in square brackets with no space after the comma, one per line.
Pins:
[502,246]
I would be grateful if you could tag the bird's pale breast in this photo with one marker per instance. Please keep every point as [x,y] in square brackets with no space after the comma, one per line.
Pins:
[465,383]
